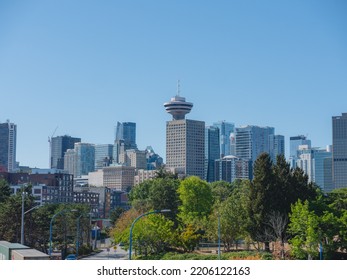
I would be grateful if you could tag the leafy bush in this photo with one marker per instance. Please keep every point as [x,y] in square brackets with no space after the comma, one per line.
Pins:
[242,255]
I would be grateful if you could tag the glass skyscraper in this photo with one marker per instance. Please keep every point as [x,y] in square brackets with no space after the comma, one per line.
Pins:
[126,132]
[277,147]
[339,163]
[212,151]
[8,141]
[225,131]
[251,141]
[103,155]
[323,169]
[59,145]
[125,139]
[84,159]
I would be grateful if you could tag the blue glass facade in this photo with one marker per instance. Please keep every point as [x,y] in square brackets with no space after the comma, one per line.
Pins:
[212,151]
[225,130]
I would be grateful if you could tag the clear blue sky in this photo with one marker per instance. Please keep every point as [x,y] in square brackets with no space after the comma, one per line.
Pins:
[84,65]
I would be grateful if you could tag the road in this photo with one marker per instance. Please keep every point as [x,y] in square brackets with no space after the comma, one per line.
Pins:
[108,253]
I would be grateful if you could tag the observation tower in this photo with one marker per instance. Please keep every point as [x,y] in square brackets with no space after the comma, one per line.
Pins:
[177,106]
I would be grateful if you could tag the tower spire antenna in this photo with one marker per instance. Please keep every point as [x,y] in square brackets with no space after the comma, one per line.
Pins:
[178,88]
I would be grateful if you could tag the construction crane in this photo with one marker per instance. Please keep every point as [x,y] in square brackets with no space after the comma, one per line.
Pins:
[50,147]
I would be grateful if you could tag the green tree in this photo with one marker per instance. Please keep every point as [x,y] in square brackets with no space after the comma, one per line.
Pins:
[64,226]
[11,210]
[158,193]
[121,230]
[163,195]
[259,203]
[5,190]
[221,190]
[187,237]
[232,216]
[139,196]
[196,200]
[274,188]
[165,174]
[153,234]
[301,188]
[337,199]
[304,226]
[115,214]
[37,227]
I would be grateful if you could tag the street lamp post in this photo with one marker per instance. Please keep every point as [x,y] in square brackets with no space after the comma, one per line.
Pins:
[22,225]
[77,235]
[78,232]
[132,226]
[22,220]
[51,227]
[219,252]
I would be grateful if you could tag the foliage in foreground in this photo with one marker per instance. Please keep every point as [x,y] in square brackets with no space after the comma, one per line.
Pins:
[241,255]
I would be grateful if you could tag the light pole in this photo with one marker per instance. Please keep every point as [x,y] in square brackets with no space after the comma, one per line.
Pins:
[219,253]
[22,220]
[51,227]
[78,232]
[77,235]
[22,225]
[132,226]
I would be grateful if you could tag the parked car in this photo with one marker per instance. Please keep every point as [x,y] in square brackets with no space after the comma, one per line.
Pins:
[71,257]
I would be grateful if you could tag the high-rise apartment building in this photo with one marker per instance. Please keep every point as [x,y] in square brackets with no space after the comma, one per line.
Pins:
[295,142]
[125,139]
[119,177]
[69,161]
[251,141]
[305,161]
[317,165]
[276,143]
[225,133]
[59,145]
[136,158]
[339,155]
[323,169]
[80,160]
[8,141]
[185,140]
[230,168]
[212,151]
[84,158]
[103,155]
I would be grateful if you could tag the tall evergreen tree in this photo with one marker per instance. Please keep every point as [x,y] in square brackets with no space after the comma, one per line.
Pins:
[260,203]
[274,189]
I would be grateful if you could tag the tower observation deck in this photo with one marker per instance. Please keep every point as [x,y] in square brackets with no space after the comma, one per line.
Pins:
[178,107]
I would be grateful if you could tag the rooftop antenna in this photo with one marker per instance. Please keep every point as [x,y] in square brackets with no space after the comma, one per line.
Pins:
[178,88]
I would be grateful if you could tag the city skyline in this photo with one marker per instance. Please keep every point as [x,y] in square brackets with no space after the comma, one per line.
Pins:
[82,67]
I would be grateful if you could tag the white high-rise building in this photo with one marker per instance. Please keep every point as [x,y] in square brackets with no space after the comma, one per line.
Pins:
[317,164]
[295,142]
